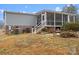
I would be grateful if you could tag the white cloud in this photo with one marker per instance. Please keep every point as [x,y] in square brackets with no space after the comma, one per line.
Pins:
[68,5]
[1,11]
[23,11]
[33,12]
[58,9]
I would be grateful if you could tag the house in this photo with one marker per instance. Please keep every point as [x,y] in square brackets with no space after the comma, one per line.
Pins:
[36,22]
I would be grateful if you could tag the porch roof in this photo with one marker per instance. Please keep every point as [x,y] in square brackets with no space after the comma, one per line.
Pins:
[45,10]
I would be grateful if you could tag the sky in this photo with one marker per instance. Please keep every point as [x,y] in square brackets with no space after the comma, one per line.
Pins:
[30,7]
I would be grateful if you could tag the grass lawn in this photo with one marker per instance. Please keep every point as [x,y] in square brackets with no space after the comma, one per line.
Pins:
[37,44]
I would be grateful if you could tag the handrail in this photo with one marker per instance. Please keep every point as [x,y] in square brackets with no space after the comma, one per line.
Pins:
[39,26]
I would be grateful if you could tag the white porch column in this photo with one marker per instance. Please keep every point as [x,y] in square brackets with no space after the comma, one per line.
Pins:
[41,19]
[45,18]
[68,19]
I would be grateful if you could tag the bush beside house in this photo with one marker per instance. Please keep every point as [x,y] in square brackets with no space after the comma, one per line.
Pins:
[70,30]
[71,27]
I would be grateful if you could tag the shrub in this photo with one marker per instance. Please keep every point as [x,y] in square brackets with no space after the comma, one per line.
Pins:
[71,26]
[68,34]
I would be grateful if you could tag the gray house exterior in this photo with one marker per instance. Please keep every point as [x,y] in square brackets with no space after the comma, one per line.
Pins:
[36,22]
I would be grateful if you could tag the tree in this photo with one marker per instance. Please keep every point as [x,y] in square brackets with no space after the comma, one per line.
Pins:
[70,9]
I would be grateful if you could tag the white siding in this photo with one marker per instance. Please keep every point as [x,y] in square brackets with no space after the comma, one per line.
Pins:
[20,19]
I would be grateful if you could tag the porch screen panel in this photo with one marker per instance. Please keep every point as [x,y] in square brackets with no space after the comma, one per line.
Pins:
[71,18]
[58,20]
[50,18]
[65,18]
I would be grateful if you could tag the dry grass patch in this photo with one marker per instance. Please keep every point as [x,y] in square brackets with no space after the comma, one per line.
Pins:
[36,44]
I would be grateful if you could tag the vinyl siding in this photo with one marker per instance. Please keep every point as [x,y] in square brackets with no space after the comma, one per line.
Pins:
[20,19]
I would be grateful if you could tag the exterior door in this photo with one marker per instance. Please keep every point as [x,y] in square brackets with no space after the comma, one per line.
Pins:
[43,19]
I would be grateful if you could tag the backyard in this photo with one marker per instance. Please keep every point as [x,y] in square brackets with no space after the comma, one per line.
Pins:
[38,44]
